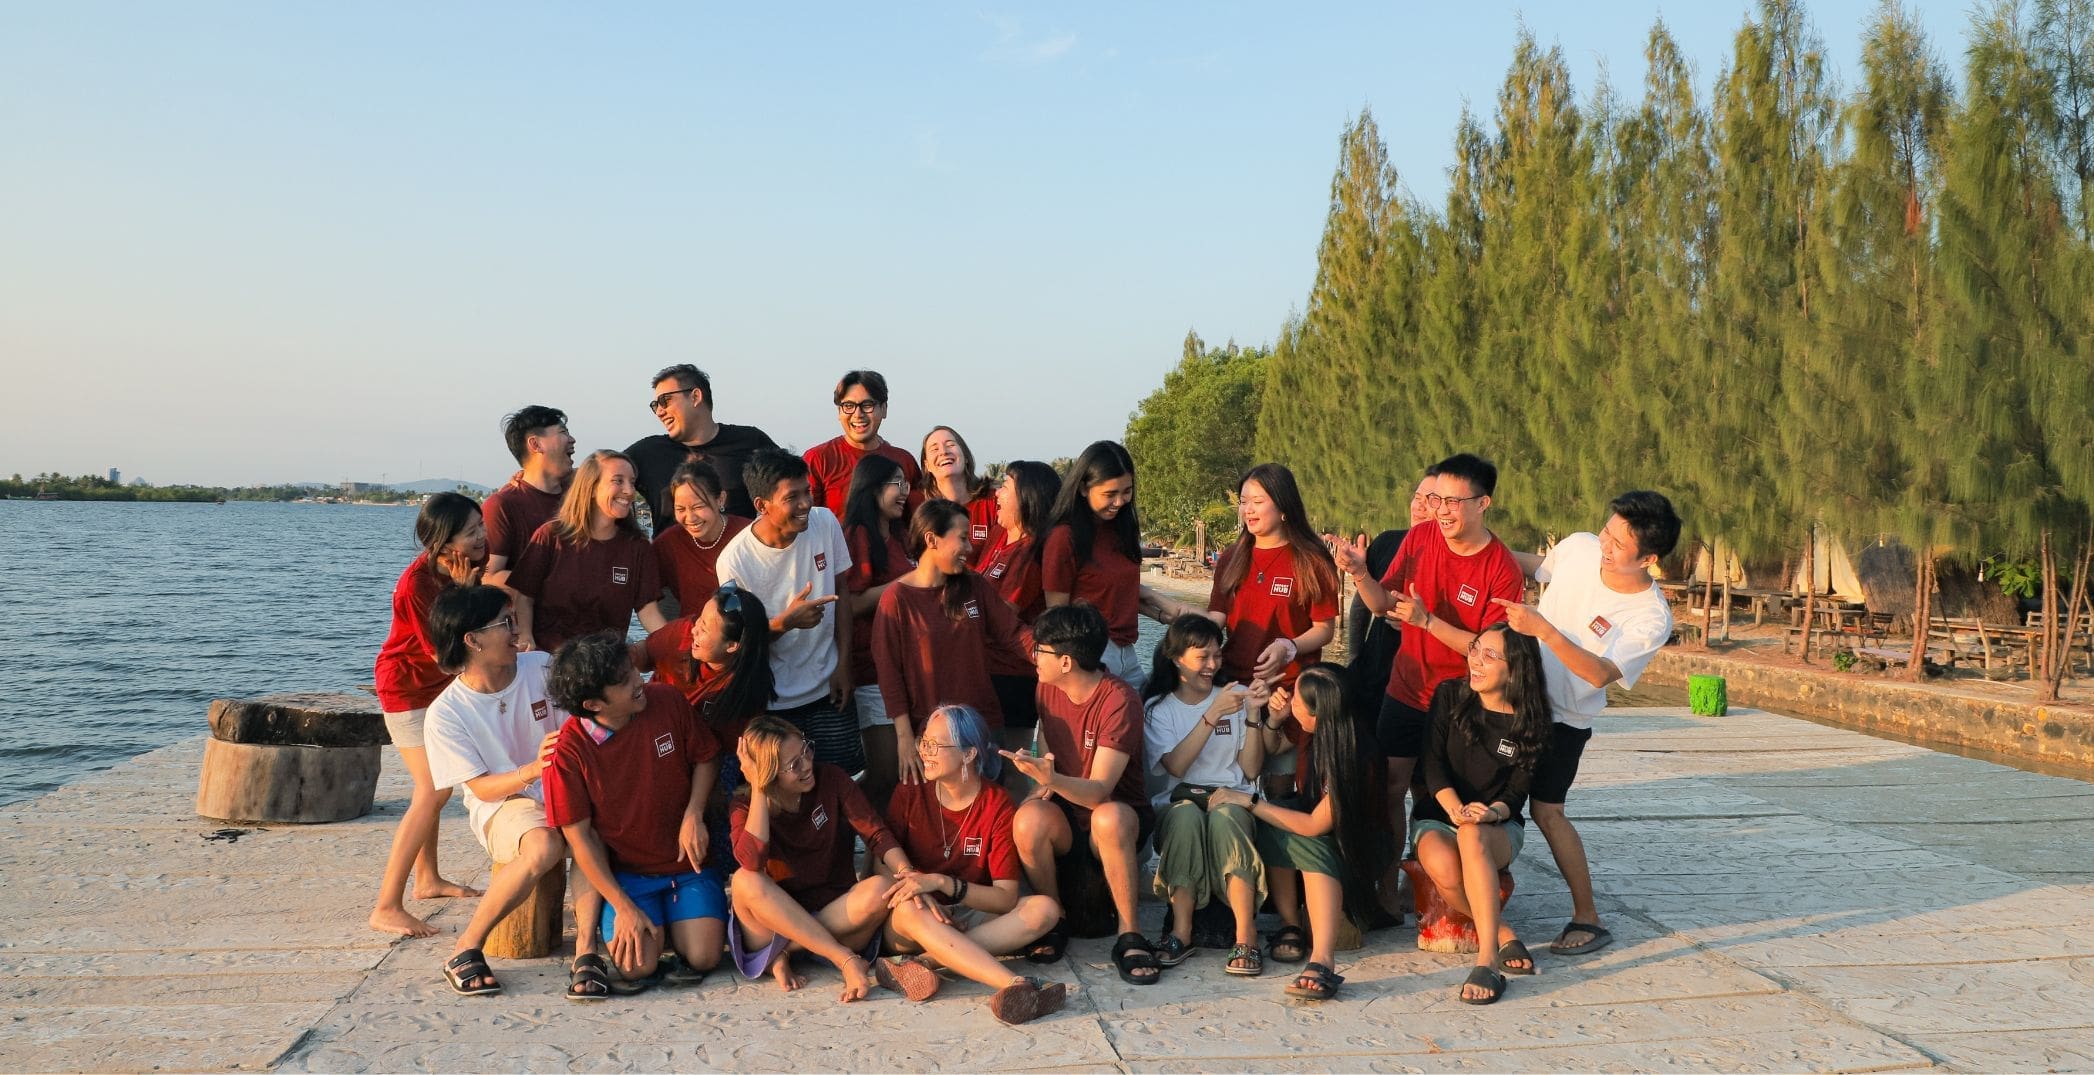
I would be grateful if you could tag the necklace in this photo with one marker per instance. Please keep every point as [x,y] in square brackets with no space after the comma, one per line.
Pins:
[938,808]
[716,538]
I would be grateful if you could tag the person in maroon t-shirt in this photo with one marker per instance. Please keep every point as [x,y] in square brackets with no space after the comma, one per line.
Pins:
[955,825]
[1442,587]
[872,527]
[591,568]
[688,551]
[628,788]
[1024,506]
[454,550]
[1276,587]
[861,408]
[1091,792]
[948,474]
[538,438]
[1093,554]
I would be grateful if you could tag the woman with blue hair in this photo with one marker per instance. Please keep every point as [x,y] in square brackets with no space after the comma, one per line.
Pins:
[955,827]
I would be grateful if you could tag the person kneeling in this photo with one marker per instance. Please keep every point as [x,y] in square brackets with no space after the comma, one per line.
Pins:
[955,825]
[1488,731]
[628,787]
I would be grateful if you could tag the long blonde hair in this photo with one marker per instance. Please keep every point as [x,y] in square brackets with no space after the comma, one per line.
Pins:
[578,507]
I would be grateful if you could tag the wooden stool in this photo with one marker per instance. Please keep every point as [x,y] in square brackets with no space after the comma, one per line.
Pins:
[533,929]
[1440,927]
[304,758]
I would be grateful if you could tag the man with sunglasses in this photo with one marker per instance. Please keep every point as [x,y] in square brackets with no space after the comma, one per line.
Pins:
[861,408]
[1442,587]
[683,401]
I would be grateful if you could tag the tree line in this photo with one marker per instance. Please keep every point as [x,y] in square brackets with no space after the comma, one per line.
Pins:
[1784,302]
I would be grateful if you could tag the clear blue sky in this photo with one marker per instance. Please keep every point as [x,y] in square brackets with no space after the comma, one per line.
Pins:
[248,242]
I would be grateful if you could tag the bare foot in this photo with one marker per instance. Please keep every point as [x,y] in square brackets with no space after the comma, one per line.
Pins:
[397,920]
[443,889]
[783,971]
[857,980]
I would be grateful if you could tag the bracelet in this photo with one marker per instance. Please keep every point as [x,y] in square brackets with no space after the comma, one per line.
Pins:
[961,895]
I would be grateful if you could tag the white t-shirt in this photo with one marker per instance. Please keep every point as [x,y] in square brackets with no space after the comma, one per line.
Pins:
[801,660]
[1165,724]
[469,734]
[1625,628]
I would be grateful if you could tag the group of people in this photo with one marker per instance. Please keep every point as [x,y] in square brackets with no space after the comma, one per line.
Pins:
[864,647]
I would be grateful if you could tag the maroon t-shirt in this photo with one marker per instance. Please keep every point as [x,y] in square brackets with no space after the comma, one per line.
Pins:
[926,659]
[982,528]
[513,513]
[688,568]
[581,589]
[809,852]
[1111,719]
[670,651]
[1015,571]
[860,578]
[829,467]
[407,674]
[1271,603]
[974,845]
[1109,582]
[1454,588]
[635,785]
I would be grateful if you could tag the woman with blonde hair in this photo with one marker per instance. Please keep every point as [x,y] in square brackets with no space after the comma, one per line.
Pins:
[590,568]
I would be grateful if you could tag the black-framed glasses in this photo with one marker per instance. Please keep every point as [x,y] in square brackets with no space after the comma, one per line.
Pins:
[507,623]
[729,595]
[862,406]
[926,746]
[1038,649]
[659,403]
[1435,501]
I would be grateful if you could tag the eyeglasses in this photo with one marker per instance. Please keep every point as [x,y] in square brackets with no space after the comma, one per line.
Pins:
[1435,500]
[729,595]
[862,406]
[661,402]
[802,764]
[900,483]
[1476,650]
[1039,649]
[505,623]
[926,746]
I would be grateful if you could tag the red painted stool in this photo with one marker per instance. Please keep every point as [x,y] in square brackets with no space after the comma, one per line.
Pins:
[1440,927]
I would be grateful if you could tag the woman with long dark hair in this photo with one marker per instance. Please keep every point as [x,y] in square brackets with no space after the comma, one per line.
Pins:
[688,552]
[1488,731]
[454,553]
[1276,586]
[1329,837]
[591,569]
[873,529]
[720,660]
[1011,561]
[1093,553]
[948,474]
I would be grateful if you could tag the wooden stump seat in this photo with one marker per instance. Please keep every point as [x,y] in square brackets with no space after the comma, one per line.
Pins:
[533,929]
[301,758]
[1440,927]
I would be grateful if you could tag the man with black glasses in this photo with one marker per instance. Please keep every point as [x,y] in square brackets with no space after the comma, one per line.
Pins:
[683,400]
[861,408]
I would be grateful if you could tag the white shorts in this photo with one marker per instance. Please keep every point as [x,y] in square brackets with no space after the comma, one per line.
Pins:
[872,708]
[405,728]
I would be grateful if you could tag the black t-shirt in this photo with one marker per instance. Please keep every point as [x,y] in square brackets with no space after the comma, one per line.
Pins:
[657,457]
[1479,772]
[1370,643]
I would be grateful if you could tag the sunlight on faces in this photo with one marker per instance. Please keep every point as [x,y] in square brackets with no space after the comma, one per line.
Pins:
[621,699]
[941,759]
[701,516]
[949,552]
[1300,711]
[1458,506]
[678,407]
[1618,550]
[894,496]
[1197,666]
[709,645]
[1108,497]
[496,638]
[787,507]
[942,454]
[471,542]
[615,490]
[1051,666]
[1487,667]
[556,445]
[1008,514]
[796,766]
[1420,514]
[860,416]
[1255,507]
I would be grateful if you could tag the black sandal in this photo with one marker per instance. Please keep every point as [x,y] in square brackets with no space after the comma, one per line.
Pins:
[1485,977]
[1133,952]
[1315,982]
[471,966]
[589,978]
[1051,945]
[1514,950]
[1293,939]
[1171,951]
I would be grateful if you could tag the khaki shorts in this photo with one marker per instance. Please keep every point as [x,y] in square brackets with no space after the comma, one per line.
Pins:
[512,821]
[965,919]
[406,728]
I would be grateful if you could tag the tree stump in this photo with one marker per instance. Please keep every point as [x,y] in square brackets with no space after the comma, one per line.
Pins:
[300,758]
[533,929]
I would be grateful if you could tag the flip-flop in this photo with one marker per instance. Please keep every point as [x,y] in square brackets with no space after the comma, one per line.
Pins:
[1511,950]
[1027,999]
[1596,938]
[1248,953]
[1171,951]
[1323,983]
[589,978]
[1487,978]
[1133,952]
[1292,938]
[471,966]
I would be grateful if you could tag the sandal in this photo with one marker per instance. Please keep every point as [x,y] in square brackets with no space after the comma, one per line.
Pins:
[1596,938]
[1027,999]
[1294,942]
[911,977]
[1513,950]
[1171,951]
[589,978]
[1051,945]
[469,974]
[679,973]
[1252,963]
[1485,977]
[1315,982]
[1132,952]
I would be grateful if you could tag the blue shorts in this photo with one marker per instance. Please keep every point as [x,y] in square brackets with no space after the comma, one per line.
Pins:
[669,898]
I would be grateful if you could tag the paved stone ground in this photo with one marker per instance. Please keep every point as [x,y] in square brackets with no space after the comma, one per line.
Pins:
[1784,896]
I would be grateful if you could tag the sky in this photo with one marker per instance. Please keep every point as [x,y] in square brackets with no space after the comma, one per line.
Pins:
[270,242]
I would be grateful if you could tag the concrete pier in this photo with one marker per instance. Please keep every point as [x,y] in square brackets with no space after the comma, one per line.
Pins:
[1784,896]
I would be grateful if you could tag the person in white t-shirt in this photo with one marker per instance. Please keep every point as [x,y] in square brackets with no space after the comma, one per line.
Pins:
[1197,737]
[491,731]
[1599,622]
[793,558]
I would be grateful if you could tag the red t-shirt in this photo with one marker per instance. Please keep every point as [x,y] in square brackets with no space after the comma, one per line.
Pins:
[809,852]
[1454,588]
[580,589]
[1270,604]
[974,845]
[925,659]
[1110,582]
[687,568]
[829,467]
[1015,571]
[513,513]
[635,785]
[860,578]
[982,527]
[670,651]
[407,674]
[1111,718]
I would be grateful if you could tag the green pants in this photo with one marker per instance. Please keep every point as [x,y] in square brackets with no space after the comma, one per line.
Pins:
[1200,850]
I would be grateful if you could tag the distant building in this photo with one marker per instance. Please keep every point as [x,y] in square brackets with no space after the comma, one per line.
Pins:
[116,477]
[353,488]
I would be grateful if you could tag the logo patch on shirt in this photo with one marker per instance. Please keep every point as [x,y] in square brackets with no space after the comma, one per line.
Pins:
[1506,748]
[820,817]
[971,846]
[1222,726]
[978,532]
[821,561]
[620,576]
[1599,626]
[1282,585]
[664,745]
[996,570]
[1090,739]
[539,710]
[1466,595]
[974,611]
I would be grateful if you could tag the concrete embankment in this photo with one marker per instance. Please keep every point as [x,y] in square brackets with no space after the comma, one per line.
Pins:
[1939,713]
